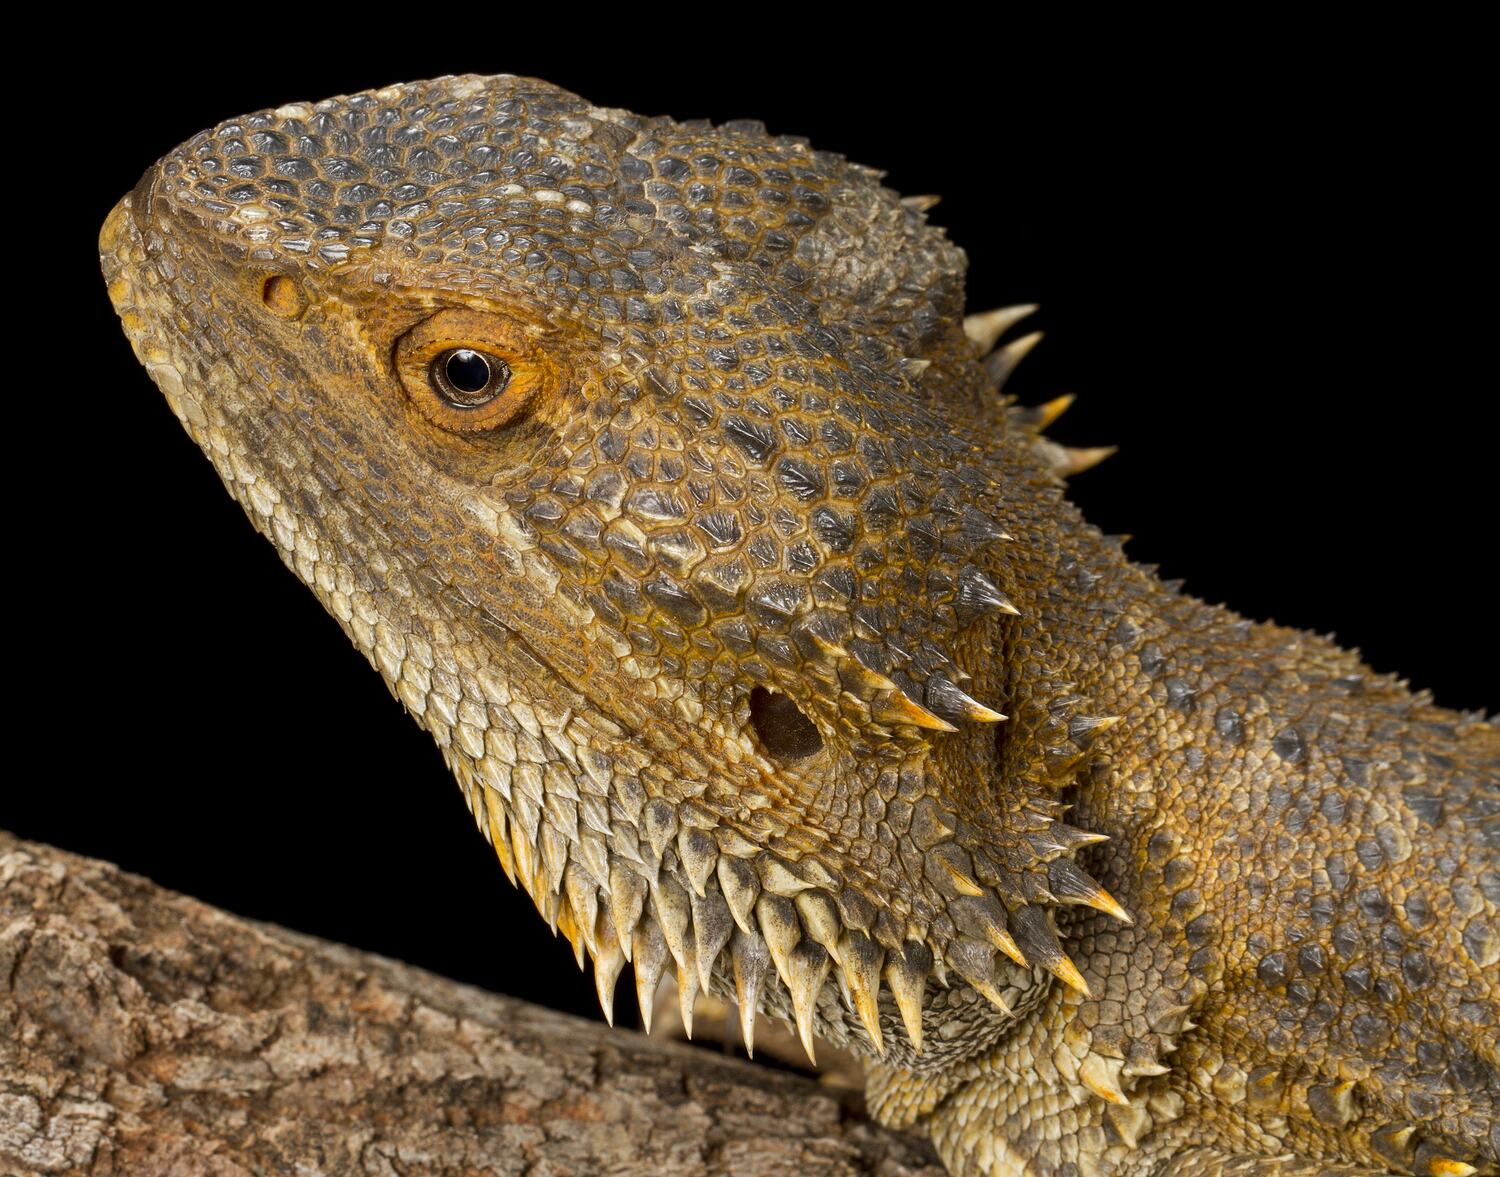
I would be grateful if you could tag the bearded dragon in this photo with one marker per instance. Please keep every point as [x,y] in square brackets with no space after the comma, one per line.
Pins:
[657,468]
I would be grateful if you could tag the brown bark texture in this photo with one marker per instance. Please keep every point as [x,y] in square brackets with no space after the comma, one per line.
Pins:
[146,1033]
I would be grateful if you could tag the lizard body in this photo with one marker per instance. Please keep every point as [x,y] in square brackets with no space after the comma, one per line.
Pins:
[656,468]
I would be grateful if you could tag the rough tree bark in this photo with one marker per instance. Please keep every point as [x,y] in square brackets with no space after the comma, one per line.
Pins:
[145,1033]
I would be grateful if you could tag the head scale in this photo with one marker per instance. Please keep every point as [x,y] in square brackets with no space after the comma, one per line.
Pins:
[608,440]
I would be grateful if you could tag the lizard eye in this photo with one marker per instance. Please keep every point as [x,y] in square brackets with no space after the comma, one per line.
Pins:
[470,371]
[466,378]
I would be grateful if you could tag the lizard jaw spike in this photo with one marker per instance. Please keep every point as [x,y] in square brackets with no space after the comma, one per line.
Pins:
[976,712]
[1070,884]
[860,958]
[809,965]
[687,997]
[1067,972]
[1038,940]
[1001,363]
[609,962]
[650,959]
[1006,943]
[974,961]
[962,883]
[699,855]
[712,927]
[1076,838]
[921,204]
[898,708]
[750,957]
[778,922]
[829,651]
[820,919]
[1083,730]
[978,594]
[741,887]
[627,899]
[906,973]
[674,916]
[946,699]
[985,328]
[1131,1123]
[573,934]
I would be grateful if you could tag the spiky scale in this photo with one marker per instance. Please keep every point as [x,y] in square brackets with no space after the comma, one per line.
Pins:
[897,708]
[985,916]
[1032,927]
[807,968]
[583,899]
[687,992]
[778,878]
[499,836]
[750,958]
[1073,838]
[1102,1076]
[1265,1088]
[921,204]
[1083,730]
[1077,459]
[777,919]
[999,364]
[1070,884]
[609,961]
[566,923]
[674,915]
[553,860]
[1333,1103]
[1130,1123]
[712,925]
[649,959]
[1394,1143]
[659,824]
[974,961]
[944,698]
[820,918]
[1051,410]
[700,855]
[985,329]
[906,972]
[627,899]
[861,959]
[978,595]
[740,886]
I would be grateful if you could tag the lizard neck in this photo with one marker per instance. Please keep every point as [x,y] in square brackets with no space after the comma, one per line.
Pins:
[1286,830]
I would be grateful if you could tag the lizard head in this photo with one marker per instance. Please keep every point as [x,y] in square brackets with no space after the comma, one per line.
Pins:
[611,442]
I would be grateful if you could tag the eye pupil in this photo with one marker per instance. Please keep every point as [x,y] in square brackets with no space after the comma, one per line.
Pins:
[468,379]
[467,371]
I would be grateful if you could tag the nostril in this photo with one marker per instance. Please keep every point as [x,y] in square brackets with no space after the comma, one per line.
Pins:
[783,731]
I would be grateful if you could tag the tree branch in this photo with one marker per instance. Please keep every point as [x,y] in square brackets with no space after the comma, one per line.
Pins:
[146,1033]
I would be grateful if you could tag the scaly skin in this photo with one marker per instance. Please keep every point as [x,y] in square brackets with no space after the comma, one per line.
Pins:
[713,609]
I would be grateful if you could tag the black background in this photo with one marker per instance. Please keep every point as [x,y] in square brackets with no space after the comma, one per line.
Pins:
[1261,272]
